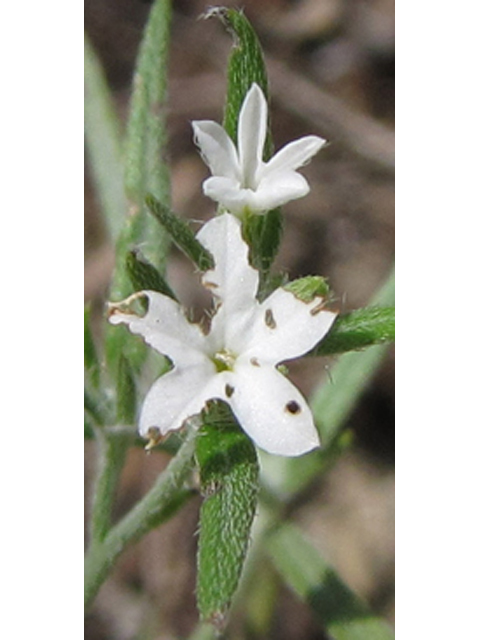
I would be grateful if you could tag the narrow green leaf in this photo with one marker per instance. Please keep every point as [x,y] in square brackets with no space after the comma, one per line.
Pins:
[126,392]
[263,234]
[144,276]
[87,427]
[111,459]
[154,507]
[342,613]
[229,480]
[104,144]
[146,169]
[91,361]
[246,65]
[180,233]
[358,329]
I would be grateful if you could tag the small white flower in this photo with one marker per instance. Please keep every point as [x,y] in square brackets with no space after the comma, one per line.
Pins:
[240,180]
[236,361]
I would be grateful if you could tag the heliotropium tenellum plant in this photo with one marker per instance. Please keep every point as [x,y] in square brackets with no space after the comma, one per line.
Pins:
[230,370]
[228,377]
[223,392]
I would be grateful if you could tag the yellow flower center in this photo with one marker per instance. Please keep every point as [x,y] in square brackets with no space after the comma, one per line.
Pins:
[224,360]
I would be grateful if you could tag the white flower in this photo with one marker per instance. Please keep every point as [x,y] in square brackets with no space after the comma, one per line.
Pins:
[236,361]
[240,180]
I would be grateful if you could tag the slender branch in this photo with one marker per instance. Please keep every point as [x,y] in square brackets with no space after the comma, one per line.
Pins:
[111,458]
[156,505]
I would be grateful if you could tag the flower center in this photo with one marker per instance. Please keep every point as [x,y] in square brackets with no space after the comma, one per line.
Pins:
[224,360]
[250,180]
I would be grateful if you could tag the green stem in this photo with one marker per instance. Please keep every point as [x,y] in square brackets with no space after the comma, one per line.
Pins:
[111,458]
[148,513]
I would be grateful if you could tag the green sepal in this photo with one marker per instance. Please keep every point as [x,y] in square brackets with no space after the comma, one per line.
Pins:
[181,234]
[308,288]
[263,234]
[126,392]
[229,476]
[245,66]
[144,276]
[357,330]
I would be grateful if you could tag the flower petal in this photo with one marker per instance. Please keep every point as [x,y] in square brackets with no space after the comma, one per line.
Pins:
[293,155]
[272,411]
[217,149]
[233,281]
[164,327]
[277,190]
[252,131]
[227,192]
[178,395]
[271,193]
[285,327]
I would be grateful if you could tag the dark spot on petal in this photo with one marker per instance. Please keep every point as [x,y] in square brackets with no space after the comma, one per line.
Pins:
[293,407]
[229,390]
[255,362]
[269,319]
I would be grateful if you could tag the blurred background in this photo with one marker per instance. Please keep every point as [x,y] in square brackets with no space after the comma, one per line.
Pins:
[331,71]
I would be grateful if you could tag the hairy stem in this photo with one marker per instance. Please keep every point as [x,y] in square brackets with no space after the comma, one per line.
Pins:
[156,505]
[111,458]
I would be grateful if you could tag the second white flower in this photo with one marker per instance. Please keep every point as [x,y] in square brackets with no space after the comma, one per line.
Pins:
[241,181]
